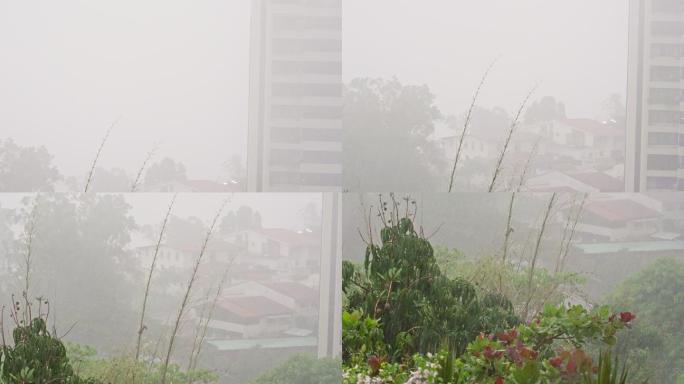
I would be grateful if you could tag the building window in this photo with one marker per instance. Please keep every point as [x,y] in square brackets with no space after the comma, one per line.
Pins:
[283,67]
[667,28]
[663,162]
[286,135]
[667,50]
[306,90]
[664,117]
[667,96]
[666,73]
[306,112]
[668,6]
[663,138]
[289,22]
[661,183]
[299,46]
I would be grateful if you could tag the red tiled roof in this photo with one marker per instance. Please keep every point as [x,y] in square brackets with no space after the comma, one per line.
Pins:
[301,293]
[599,180]
[620,210]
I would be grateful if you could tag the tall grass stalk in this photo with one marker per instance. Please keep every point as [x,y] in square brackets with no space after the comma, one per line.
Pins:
[143,310]
[535,255]
[149,157]
[188,291]
[466,125]
[507,142]
[97,155]
[197,347]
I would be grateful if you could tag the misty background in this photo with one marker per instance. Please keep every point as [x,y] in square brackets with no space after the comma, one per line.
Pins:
[174,72]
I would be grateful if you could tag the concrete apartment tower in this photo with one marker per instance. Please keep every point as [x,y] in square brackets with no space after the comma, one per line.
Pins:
[295,106]
[295,127]
[654,158]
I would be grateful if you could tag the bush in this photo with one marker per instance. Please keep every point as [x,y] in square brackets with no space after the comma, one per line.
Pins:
[37,357]
[551,349]
[419,309]
[303,369]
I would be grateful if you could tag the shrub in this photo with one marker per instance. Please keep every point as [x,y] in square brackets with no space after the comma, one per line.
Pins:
[37,357]
[303,369]
[420,309]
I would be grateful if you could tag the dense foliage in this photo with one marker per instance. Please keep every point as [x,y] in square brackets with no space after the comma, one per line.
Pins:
[303,369]
[125,370]
[654,347]
[36,357]
[550,349]
[401,286]
[408,322]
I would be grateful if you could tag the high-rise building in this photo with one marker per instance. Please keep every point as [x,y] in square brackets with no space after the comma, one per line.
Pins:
[295,113]
[654,158]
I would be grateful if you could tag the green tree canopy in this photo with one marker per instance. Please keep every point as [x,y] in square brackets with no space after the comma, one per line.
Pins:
[26,169]
[657,295]
[396,119]
[419,308]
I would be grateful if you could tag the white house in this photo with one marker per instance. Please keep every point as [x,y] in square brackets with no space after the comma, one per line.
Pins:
[280,248]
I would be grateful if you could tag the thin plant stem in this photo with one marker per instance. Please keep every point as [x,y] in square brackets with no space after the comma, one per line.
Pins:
[188,291]
[466,125]
[511,130]
[143,311]
[97,155]
[535,255]
[150,154]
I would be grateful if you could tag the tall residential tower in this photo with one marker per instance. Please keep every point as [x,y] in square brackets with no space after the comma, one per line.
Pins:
[654,158]
[295,116]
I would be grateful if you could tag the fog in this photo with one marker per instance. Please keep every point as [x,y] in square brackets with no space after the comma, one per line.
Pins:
[90,256]
[575,50]
[291,191]
[174,72]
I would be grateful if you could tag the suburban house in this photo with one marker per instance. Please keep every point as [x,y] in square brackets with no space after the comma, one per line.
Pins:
[280,249]
[583,182]
[244,317]
[614,218]
[586,139]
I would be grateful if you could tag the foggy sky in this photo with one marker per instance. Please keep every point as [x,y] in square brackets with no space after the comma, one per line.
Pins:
[576,50]
[175,71]
[277,210]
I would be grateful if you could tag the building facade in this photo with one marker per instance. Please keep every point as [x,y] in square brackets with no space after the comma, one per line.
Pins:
[295,116]
[655,125]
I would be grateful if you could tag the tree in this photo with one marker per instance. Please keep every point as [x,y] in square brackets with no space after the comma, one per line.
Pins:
[26,169]
[395,119]
[420,309]
[37,356]
[546,109]
[165,171]
[303,369]
[80,263]
[656,347]
[110,180]
[182,232]
[242,219]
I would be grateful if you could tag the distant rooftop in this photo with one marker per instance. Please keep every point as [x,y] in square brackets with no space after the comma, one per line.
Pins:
[638,246]
[279,343]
